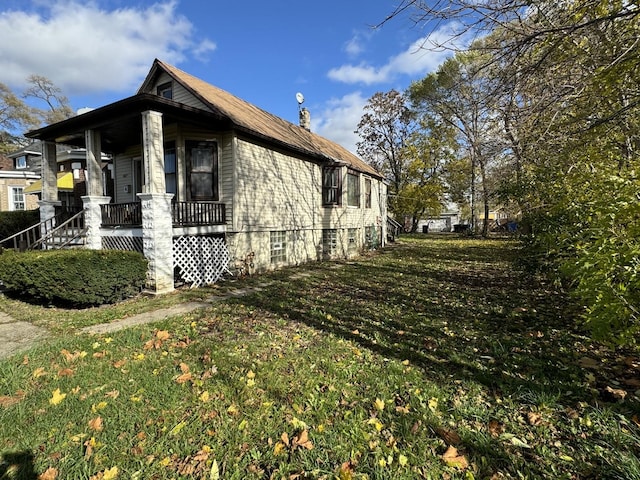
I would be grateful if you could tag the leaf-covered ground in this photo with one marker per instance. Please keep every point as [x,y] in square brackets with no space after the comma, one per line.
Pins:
[435,358]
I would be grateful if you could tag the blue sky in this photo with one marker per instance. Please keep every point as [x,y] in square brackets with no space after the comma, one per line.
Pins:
[263,51]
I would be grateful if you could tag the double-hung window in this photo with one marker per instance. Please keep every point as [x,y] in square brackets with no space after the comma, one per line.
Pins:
[331,186]
[202,158]
[353,189]
[16,198]
[21,162]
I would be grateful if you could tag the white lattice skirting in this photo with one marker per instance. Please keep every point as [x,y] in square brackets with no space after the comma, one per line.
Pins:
[200,260]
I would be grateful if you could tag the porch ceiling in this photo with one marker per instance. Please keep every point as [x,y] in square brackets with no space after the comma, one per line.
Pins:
[120,123]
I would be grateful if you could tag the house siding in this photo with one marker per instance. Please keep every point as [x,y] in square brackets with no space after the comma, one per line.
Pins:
[278,192]
[180,93]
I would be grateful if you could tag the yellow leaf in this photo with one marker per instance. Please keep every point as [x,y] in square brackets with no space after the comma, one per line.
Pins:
[98,406]
[250,374]
[57,397]
[433,404]
[176,430]
[233,409]
[243,424]
[96,424]
[139,356]
[214,473]
[379,404]
[165,462]
[405,362]
[110,473]
[376,423]
[251,382]
[278,449]
[204,396]
[402,460]
[38,372]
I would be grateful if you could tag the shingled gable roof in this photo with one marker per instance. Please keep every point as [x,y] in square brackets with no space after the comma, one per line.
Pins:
[254,120]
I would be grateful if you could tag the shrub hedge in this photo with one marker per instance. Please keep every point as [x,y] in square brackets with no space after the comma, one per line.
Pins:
[74,278]
[14,222]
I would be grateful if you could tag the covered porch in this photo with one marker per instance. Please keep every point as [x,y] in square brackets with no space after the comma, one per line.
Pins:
[138,124]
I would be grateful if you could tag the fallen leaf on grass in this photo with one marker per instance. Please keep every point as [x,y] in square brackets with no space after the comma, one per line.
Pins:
[7,401]
[302,440]
[96,424]
[38,372]
[495,428]
[57,397]
[534,418]
[449,436]
[453,458]
[49,474]
[65,372]
[616,393]
[108,474]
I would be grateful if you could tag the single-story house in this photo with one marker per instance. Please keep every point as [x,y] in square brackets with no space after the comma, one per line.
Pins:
[204,182]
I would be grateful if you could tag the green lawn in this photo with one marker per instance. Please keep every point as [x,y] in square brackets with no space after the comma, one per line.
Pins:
[435,358]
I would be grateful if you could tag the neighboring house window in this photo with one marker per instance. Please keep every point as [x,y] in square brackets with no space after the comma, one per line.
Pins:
[352,239]
[331,186]
[278,247]
[367,193]
[353,189]
[329,241]
[165,90]
[16,198]
[170,168]
[21,162]
[202,158]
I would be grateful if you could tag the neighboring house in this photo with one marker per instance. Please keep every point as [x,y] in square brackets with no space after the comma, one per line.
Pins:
[71,168]
[15,178]
[204,182]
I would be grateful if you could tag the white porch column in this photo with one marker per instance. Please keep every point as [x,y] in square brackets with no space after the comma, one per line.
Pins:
[49,198]
[94,158]
[157,240]
[93,219]
[157,227]
[153,152]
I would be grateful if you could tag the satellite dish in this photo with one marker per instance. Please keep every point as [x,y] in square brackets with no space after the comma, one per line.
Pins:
[300,98]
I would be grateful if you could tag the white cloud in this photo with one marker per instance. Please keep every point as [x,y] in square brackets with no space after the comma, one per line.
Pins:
[339,120]
[83,48]
[421,57]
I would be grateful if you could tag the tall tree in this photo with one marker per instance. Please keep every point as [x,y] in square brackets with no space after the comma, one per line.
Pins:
[15,117]
[57,104]
[456,94]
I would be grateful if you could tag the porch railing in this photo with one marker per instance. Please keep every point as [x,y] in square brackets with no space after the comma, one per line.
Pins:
[188,214]
[183,214]
[121,214]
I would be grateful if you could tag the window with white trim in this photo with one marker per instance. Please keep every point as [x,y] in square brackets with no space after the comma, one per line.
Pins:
[278,247]
[21,162]
[16,198]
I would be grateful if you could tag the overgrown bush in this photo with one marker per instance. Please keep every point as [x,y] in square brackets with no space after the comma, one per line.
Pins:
[76,278]
[14,222]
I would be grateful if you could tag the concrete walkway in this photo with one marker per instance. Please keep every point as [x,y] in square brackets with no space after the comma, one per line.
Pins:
[17,336]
